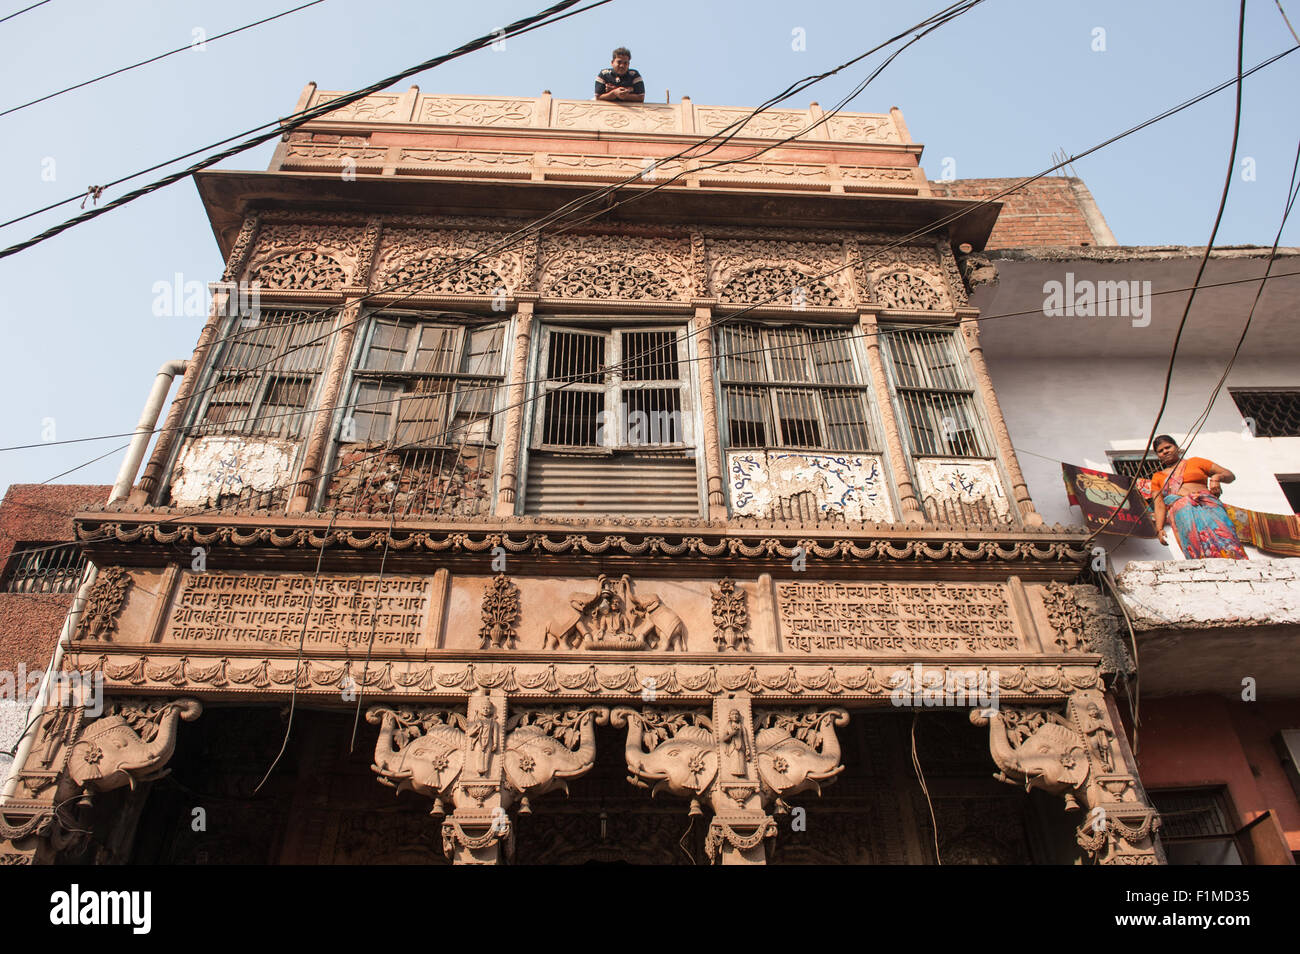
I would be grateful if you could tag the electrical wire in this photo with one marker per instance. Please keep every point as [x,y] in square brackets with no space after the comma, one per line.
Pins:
[155,59]
[546,17]
[24,10]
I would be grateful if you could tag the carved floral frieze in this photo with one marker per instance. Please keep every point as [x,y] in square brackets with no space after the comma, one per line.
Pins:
[789,273]
[592,266]
[304,257]
[432,262]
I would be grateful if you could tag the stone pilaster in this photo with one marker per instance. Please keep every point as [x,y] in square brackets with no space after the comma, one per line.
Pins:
[331,396]
[709,412]
[516,386]
[908,502]
[1001,436]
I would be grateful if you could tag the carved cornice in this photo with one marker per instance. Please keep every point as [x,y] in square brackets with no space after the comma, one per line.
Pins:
[322,675]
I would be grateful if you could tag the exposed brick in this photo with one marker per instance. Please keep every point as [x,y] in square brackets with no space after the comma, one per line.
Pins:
[1045,212]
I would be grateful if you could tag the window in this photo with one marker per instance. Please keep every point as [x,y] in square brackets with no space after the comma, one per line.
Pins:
[1276,412]
[1130,464]
[426,383]
[935,400]
[265,376]
[612,389]
[1196,827]
[792,387]
[45,568]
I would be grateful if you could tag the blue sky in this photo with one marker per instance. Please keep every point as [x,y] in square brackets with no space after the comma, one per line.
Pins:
[998,91]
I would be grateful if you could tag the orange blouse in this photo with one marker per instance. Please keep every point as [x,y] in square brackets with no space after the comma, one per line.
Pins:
[1197,471]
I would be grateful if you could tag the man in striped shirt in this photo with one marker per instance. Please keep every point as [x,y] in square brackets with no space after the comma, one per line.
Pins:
[620,83]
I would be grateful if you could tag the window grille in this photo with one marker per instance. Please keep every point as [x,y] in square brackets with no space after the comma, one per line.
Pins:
[1132,465]
[792,387]
[265,377]
[1193,813]
[45,568]
[426,384]
[1276,413]
[935,399]
[612,389]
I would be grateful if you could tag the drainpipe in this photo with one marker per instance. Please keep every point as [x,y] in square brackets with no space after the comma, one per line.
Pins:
[121,488]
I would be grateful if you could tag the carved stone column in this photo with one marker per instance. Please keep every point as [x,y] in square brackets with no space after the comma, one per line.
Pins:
[1020,491]
[908,502]
[740,762]
[709,412]
[516,386]
[483,763]
[331,396]
[76,757]
[1079,754]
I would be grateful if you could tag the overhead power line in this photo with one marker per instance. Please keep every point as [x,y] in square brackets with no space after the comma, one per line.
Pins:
[552,14]
[24,10]
[155,59]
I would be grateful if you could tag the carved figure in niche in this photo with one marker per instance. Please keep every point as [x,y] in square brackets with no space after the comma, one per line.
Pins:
[797,751]
[1037,749]
[1093,723]
[127,747]
[482,735]
[736,744]
[615,618]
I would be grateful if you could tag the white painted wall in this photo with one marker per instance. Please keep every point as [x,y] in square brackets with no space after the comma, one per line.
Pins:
[1074,409]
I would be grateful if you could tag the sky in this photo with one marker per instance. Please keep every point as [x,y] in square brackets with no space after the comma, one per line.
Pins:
[993,94]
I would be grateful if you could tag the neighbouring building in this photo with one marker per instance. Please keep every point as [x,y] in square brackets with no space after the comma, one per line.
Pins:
[1217,698]
[693,503]
[41,565]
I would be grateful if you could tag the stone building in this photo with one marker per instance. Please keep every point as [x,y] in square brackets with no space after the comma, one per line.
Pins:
[544,487]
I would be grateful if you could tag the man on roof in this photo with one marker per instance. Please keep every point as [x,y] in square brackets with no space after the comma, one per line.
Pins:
[619,83]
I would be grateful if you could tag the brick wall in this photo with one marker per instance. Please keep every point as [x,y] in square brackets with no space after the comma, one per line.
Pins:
[1052,211]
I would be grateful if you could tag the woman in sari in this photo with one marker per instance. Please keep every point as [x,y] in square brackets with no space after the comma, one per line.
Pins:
[1188,490]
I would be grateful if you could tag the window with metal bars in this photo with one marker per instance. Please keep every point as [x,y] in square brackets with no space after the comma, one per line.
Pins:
[426,383]
[265,376]
[1275,412]
[792,388]
[621,388]
[936,402]
[45,568]
[1132,465]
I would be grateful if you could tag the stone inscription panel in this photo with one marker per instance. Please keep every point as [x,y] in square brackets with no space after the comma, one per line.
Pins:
[274,608]
[902,617]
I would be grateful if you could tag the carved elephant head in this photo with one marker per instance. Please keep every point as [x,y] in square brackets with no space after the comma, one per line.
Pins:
[110,753]
[1052,758]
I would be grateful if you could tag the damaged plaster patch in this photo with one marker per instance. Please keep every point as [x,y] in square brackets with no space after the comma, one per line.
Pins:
[851,486]
[962,482]
[210,468]
[1200,594]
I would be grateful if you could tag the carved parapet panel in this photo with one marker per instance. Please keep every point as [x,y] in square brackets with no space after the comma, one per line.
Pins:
[631,268]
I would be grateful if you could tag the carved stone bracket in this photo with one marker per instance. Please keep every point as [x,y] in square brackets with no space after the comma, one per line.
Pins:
[1078,754]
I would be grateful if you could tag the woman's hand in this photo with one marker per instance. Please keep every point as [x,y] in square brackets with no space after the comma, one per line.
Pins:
[1160,535]
[1214,486]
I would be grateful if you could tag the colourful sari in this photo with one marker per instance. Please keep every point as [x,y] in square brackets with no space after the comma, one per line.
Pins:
[1201,522]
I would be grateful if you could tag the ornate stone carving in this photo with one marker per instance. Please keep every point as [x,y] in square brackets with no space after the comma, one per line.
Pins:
[903,290]
[748,271]
[312,253]
[239,252]
[500,613]
[906,277]
[615,618]
[129,745]
[451,110]
[769,124]
[103,603]
[798,751]
[808,486]
[334,152]
[730,617]
[643,117]
[1076,754]
[377,108]
[864,128]
[593,266]
[517,163]
[421,260]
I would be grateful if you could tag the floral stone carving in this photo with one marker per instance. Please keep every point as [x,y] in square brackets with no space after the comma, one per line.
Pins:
[105,601]
[779,285]
[730,617]
[615,618]
[500,613]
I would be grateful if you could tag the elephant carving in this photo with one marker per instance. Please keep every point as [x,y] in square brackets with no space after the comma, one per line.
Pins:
[421,752]
[538,758]
[128,747]
[615,618]
[670,752]
[1050,755]
[797,752]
